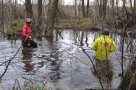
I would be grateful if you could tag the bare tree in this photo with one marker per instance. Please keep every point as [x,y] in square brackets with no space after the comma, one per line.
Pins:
[76,8]
[39,17]
[51,18]
[135,6]
[87,10]
[83,8]
[28,7]
[102,5]
[2,18]
[113,9]
[39,12]
[15,9]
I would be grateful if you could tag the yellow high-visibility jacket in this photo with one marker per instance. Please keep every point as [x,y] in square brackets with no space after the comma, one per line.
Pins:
[103,46]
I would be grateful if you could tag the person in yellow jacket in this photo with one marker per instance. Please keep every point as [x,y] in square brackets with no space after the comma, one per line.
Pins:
[103,46]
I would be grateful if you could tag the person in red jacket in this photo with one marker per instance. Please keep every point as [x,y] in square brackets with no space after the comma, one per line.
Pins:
[26,34]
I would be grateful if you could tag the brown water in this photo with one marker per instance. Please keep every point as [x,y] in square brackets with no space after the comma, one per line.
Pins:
[58,64]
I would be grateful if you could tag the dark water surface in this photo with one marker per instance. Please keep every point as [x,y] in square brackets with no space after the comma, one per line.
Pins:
[58,64]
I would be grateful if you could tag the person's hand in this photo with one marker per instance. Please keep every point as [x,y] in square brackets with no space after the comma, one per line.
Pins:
[29,37]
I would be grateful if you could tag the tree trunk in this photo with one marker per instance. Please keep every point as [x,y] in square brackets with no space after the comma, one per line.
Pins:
[135,6]
[131,5]
[76,8]
[83,8]
[100,8]
[113,10]
[49,6]
[124,10]
[15,10]
[104,8]
[134,11]
[39,18]
[87,10]
[2,17]
[28,7]
[39,12]
[79,9]
[51,18]
[117,7]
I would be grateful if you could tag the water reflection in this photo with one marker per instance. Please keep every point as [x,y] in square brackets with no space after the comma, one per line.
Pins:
[55,71]
[62,63]
[54,61]
[86,39]
[27,59]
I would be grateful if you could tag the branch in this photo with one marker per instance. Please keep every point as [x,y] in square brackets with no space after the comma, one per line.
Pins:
[93,66]
[9,63]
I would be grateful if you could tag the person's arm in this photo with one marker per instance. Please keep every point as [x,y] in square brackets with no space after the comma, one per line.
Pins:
[24,32]
[113,46]
[95,44]
[29,33]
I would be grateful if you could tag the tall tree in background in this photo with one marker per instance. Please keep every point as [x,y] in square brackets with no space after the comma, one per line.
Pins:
[39,17]
[2,14]
[83,8]
[76,8]
[87,10]
[51,18]
[15,8]
[39,12]
[49,5]
[102,8]
[113,9]
[124,10]
[135,7]
[134,10]
[28,7]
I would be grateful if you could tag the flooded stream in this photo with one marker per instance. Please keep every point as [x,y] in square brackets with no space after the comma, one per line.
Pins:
[58,64]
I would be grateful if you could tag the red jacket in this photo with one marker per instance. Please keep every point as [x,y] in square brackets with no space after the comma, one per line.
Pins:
[26,31]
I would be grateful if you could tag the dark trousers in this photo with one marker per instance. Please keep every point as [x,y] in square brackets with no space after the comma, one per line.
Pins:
[29,43]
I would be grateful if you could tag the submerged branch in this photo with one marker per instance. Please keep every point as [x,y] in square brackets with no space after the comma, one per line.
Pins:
[9,63]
